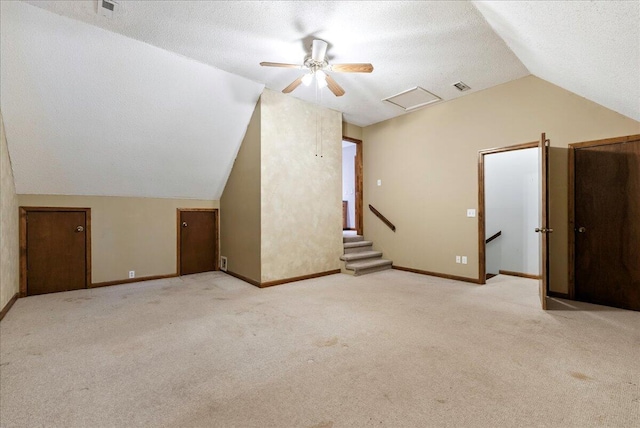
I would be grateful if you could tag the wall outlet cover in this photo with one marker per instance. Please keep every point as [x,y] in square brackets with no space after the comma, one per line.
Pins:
[471,212]
[223,263]
[457,259]
[464,260]
[132,274]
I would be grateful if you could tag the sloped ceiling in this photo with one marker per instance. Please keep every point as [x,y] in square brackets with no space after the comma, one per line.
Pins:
[417,43]
[139,105]
[91,112]
[591,48]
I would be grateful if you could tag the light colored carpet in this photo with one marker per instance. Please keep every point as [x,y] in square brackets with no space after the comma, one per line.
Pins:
[391,349]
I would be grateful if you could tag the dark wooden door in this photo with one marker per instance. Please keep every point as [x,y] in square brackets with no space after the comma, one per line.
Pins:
[56,251]
[198,241]
[607,224]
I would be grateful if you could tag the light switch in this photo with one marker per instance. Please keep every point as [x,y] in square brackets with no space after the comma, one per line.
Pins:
[464,260]
[471,212]
[379,182]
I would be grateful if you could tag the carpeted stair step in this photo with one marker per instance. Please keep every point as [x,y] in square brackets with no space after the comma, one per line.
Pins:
[355,247]
[357,238]
[360,256]
[368,266]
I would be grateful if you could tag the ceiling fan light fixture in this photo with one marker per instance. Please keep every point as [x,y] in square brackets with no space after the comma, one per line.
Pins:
[306,80]
[321,77]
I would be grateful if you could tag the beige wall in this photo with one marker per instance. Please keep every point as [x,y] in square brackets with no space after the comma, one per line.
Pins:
[240,206]
[352,131]
[427,161]
[301,188]
[127,233]
[8,225]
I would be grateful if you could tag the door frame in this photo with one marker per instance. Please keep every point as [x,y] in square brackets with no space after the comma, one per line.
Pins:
[359,184]
[179,235]
[572,198]
[24,211]
[482,246]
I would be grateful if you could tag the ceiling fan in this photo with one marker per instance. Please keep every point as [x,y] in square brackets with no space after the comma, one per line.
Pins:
[317,65]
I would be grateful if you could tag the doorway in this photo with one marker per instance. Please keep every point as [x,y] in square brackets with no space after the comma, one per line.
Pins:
[197,240]
[604,208]
[509,207]
[55,249]
[352,185]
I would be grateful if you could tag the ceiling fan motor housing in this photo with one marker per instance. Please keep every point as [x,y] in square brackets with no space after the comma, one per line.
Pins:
[318,50]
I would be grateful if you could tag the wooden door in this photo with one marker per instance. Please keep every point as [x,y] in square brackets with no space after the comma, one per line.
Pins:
[607,224]
[345,215]
[198,241]
[544,228]
[55,251]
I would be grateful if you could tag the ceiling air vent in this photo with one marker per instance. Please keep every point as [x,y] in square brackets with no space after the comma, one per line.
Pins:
[461,86]
[106,7]
[413,98]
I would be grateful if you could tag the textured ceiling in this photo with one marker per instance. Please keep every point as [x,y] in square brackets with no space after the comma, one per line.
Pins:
[155,101]
[591,48]
[91,112]
[418,43]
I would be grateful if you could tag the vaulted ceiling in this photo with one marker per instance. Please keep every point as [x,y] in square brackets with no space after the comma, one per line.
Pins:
[155,100]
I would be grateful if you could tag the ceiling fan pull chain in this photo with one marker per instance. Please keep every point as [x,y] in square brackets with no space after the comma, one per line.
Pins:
[316,88]
[321,139]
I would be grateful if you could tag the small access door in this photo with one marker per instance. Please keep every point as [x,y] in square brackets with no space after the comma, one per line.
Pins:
[197,240]
[55,250]
[544,229]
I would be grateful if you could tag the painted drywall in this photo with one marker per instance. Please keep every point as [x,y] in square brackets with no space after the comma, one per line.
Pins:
[512,206]
[240,206]
[301,184]
[352,131]
[127,233]
[349,182]
[91,112]
[427,161]
[8,225]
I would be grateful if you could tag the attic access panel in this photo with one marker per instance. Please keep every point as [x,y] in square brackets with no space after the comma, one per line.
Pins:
[413,98]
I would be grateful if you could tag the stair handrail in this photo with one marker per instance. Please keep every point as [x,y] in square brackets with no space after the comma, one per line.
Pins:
[493,237]
[383,218]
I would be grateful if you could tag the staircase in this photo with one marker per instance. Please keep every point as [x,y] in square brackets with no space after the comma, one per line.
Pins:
[359,257]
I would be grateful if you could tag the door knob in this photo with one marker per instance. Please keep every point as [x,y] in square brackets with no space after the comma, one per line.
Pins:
[184,224]
[79,229]
[581,229]
[538,230]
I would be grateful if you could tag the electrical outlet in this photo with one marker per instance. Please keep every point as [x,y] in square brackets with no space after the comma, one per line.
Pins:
[471,212]
[132,274]
[223,263]
[379,182]
[464,260]
[457,259]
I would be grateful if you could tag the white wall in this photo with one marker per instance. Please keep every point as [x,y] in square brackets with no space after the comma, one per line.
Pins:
[349,180]
[512,206]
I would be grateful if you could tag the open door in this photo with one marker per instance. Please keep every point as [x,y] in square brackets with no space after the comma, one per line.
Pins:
[544,229]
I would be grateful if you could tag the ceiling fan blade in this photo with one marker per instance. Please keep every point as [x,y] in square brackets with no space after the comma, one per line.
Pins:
[280,64]
[293,85]
[334,87]
[318,50]
[352,68]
